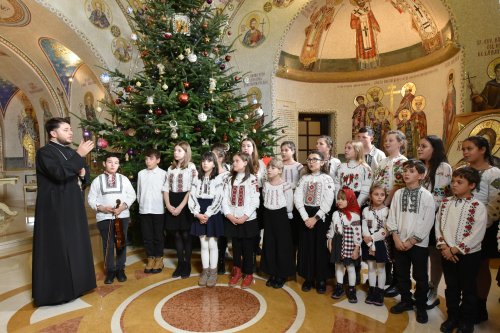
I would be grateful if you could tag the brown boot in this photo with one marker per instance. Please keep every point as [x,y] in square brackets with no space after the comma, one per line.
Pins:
[212,277]
[158,265]
[202,282]
[149,265]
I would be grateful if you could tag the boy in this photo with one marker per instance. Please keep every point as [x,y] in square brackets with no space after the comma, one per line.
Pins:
[410,220]
[151,209]
[460,227]
[104,192]
[373,155]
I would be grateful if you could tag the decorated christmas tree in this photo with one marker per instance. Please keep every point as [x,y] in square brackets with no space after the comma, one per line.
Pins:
[187,91]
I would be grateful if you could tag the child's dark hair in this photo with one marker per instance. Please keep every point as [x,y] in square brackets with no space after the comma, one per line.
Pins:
[368,130]
[248,169]
[152,153]
[481,142]
[110,155]
[291,146]
[209,156]
[468,173]
[438,156]
[323,168]
[417,164]
[54,123]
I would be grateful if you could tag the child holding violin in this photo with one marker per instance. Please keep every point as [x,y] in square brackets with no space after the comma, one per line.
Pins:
[111,194]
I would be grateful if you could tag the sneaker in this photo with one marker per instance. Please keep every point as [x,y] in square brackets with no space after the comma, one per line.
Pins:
[120,275]
[422,316]
[339,291]
[351,295]
[369,296]
[432,297]
[306,286]
[270,282]
[202,282]
[212,277]
[110,276]
[449,325]
[235,276]
[391,291]
[247,281]
[378,297]
[149,265]
[401,307]
[158,265]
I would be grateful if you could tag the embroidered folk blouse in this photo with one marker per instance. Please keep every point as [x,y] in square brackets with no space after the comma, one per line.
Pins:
[461,223]
[357,177]
[412,215]
[373,223]
[291,173]
[390,172]
[332,166]
[340,221]
[180,180]
[441,183]
[278,196]
[488,192]
[242,197]
[314,190]
[206,188]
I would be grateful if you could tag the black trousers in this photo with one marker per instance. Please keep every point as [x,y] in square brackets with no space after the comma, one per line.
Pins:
[152,233]
[417,257]
[243,249]
[461,292]
[107,230]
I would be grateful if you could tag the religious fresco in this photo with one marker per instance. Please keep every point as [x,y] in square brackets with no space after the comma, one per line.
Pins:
[99,13]
[14,13]
[122,50]
[64,61]
[7,91]
[47,114]
[253,29]
[137,6]
[449,106]
[418,125]
[489,98]
[366,25]
[87,110]
[282,3]
[358,115]
[29,136]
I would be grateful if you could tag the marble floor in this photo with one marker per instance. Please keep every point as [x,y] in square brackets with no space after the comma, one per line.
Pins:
[159,303]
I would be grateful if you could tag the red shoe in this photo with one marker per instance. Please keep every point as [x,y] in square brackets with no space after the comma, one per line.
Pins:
[247,281]
[235,276]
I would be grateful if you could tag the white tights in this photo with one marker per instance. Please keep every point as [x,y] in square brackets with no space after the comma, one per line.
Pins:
[376,269]
[351,273]
[209,252]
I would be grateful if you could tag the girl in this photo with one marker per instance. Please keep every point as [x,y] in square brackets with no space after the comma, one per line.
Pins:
[390,174]
[345,248]
[205,201]
[240,203]
[374,247]
[180,177]
[437,180]
[354,174]
[325,145]
[278,258]
[219,150]
[313,199]
[477,153]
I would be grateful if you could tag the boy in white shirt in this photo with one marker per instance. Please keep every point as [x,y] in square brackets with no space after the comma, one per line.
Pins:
[373,155]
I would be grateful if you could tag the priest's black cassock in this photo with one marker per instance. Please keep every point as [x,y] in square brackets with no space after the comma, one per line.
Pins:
[63,267]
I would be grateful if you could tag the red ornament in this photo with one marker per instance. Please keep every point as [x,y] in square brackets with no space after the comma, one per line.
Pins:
[144,53]
[224,137]
[167,35]
[222,66]
[129,89]
[231,120]
[183,98]
[197,128]
[102,143]
[215,49]
[185,84]
[229,33]
[204,53]
[237,78]
[158,112]
[227,57]
[118,101]
[204,25]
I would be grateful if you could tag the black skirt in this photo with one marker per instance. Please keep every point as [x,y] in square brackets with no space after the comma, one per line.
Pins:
[336,255]
[249,229]
[489,245]
[184,219]
[214,226]
[381,252]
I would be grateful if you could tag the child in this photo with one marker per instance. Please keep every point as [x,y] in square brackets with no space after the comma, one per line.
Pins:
[374,247]
[373,155]
[344,242]
[460,228]
[390,174]
[313,199]
[410,220]
[240,203]
[278,258]
[477,152]
[105,191]
[437,180]
[151,209]
[205,201]
[180,177]
[324,145]
[354,174]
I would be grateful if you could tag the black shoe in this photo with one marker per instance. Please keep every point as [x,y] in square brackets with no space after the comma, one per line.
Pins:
[351,295]
[378,297]
[279,283]
[482,312]
[321,287]
[338,292]
[120,275]
[391,291]
[110,276]
[271,281]
[465,328]
[401,307]
[422,316]
[449,325]
[186,271]
[178,270]
[306,286]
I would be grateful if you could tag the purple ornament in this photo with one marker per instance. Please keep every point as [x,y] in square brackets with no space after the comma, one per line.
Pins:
[131,151]
[86,134]
[209,2]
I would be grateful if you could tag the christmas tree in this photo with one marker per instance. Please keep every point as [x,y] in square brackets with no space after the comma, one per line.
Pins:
[187,91]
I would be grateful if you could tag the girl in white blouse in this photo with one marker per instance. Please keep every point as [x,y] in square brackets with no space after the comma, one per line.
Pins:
[354,174]
[180,177]
[313,199]
[278,258]
[240,203]
[324,145]
[205,201]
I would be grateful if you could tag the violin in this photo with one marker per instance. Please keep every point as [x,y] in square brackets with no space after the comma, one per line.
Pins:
[119,235]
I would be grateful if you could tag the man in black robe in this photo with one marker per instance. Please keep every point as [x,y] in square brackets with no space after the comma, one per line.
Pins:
[63,267]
